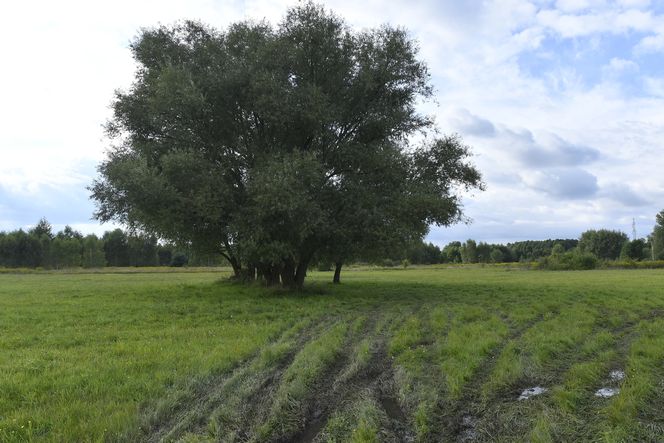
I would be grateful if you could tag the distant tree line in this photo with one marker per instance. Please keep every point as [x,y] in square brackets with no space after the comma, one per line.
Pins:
[471,251]
[582,253]
[40,247]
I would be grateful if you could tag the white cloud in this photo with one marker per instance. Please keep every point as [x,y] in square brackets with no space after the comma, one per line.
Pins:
[634,3]
[611,21]
[578,5]
[655,86]
[565,184]
[619,65]
[650,44]
[470,124]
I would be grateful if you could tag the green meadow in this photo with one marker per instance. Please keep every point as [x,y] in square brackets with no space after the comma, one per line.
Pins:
[417,354]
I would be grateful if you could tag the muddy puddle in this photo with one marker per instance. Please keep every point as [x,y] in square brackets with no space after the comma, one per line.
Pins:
[532,392]
[607,392]
[469,428]
[617,375]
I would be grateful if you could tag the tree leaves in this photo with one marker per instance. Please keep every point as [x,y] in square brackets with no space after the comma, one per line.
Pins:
[275,144]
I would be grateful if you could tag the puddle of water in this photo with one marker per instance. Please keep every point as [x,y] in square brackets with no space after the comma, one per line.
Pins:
[532,392]
[607,392]
[617,375]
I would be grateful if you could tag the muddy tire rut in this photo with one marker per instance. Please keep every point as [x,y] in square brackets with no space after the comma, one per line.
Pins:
[192,413]
[375,380]
[459,419]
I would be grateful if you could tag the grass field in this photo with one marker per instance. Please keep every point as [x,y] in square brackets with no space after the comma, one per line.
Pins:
[417,354]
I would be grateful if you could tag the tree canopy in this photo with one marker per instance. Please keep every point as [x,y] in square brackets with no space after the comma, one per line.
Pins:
[603,243]
[277,145]
[657,238]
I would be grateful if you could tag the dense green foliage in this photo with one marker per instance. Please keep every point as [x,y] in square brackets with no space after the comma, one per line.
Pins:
[472,252]
[420,354]
[535,249]
[603,243]
[40,248]
[657,238]
[636,249]
[277,146]
[575,259]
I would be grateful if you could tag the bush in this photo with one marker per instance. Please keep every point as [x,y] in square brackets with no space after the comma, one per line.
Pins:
[179,260]
[583,260]
[631,264]
[324,266]
[497,256]
[573,260]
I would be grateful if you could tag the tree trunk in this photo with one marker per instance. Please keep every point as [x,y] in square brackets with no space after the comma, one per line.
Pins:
[248,274]
[251,272]
[272,276]
[268,273]
[235,264]
[288,273]
[301,273]
[337,272]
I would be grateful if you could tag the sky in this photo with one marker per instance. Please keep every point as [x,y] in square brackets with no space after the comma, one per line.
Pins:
[561,101]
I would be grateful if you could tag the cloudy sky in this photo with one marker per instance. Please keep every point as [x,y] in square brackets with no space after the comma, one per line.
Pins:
[562,102]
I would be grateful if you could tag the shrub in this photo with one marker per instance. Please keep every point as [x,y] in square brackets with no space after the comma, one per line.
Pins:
[631,264]
[497,256]
[583,260]
[573,260]
[324,266]
[179,260]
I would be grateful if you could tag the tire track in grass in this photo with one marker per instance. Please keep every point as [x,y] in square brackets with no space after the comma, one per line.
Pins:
[346,369]
[360,421]
[650,420]
[540,357]
[461,344]
[302,384]
[235,420]
[185,411]
[568,413]
[363,403]
[535,356]
[364,380]
[354,368]
[366,385]
[300,410]
[631,415]
[412,349]
[459,416]
[575,409]
[420,364]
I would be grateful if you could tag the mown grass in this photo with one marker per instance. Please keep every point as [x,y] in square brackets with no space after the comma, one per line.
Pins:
[183,355]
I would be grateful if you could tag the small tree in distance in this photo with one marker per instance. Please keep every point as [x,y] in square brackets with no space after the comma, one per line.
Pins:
[656,239]
[603,243]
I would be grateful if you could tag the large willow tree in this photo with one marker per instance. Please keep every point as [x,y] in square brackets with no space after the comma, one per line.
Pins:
[275,145]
